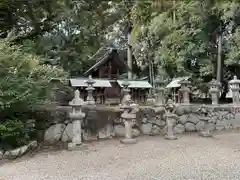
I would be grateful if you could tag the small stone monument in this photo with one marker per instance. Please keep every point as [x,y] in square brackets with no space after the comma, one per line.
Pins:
[90,89]
[171,118]
[129,114]
[77,117]
[203,111]
[234,86]
[150,97]
[160,99]
[214,91]
[185,91]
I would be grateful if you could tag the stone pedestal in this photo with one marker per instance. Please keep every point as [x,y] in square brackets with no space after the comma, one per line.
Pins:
[76,116]
[185,92]
[204,113]
[129,114]
[170,120]
[128,133]
[205,132]
[234,86]
[214,91]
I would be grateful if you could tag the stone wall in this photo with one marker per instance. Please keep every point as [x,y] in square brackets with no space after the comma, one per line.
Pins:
[104,123]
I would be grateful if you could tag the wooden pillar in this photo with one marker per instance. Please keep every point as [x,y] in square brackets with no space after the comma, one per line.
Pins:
[109,69]
[117,73]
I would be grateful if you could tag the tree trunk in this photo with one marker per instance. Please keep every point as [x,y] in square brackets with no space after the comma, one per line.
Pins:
[219,57]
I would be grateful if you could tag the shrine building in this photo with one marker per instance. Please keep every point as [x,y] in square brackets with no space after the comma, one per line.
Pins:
[107,71]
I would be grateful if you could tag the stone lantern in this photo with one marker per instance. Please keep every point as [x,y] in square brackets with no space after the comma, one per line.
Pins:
[90,89]
[160,99]
[129,114]
[214,91]
[185,91]
[234,86]
[77,117]
[171,119]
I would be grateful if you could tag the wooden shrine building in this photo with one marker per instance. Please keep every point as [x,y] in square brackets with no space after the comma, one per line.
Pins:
[109,65]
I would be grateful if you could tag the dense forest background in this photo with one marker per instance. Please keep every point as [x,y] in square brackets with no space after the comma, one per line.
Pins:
[45,39]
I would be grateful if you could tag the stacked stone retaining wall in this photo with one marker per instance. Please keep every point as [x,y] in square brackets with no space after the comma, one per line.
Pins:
[105,122]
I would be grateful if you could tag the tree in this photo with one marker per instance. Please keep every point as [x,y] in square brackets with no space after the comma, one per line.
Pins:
[189,46]
[62,32]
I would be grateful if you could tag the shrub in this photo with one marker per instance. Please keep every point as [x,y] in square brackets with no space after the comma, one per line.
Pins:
[23,84]
[14,133]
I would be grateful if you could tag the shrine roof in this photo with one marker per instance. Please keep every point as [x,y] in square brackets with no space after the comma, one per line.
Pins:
[176,82]
[136,84]
[81,82]
[101,57]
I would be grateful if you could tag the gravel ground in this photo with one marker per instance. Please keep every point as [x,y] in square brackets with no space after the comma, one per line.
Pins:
[152,158]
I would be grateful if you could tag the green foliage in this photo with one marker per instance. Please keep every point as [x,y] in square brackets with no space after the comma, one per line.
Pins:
[23,84]
[233,57]
[188,44]
[23,79]
[15,133]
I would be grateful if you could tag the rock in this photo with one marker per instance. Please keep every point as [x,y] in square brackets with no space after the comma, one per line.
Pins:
[220,125]
[212,126]
[32,145]
[15,153]
[68,133]
[200,126]
[193,119]
[135,132]
[160,122]
[119,130]
[6,155]
[164,130]
[183,119]
[54,133]
[23,149]
[1,154]
[87,136]
[190,127]
[106,132]
[180,110]
[146,128]
[179,129]
[152,119]
[156,130]
[144,120]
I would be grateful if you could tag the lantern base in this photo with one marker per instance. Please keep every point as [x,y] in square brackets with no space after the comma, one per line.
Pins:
[74,146]
[170,137]
[128,141]
[205,134]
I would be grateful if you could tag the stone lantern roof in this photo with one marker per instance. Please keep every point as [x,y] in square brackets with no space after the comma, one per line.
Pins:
[185,82]
[214,82]
[235,80]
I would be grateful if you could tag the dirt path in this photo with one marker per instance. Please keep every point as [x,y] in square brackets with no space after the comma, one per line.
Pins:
[152,158]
